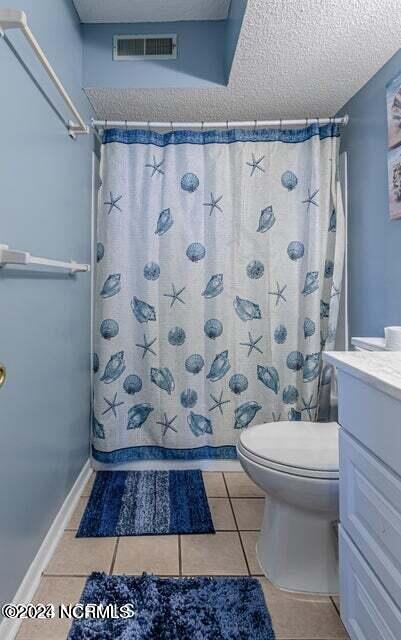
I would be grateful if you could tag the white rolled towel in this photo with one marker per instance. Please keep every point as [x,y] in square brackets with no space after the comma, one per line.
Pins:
[393,338]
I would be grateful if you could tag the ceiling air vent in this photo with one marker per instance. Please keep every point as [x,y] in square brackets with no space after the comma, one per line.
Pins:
[145,47]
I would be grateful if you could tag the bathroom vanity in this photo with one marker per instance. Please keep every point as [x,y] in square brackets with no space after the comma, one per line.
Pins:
[369,397]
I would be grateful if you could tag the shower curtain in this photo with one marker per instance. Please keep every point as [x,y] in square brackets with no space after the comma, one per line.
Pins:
[220,259]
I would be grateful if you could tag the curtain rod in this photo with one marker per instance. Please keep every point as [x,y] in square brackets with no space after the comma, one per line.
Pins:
[15,19]
[129,124]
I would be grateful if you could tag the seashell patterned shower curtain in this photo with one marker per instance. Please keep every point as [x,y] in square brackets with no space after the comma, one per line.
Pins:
[220,260]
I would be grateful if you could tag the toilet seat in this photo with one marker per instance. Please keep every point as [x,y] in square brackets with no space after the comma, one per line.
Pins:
[307,449]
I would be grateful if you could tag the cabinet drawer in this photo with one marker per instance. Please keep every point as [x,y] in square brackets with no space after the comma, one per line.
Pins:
[370,511]
[371,416]
[367,610]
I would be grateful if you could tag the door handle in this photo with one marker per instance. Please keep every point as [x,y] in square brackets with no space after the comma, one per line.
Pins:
[3,374]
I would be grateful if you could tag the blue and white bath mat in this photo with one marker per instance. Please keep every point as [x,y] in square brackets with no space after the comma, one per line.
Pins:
[176,608]
[137,503]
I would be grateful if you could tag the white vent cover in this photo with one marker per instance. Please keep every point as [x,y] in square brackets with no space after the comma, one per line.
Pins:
[145,47]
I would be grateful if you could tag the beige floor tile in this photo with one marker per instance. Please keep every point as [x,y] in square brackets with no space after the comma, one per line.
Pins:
[214,484]
[154,554]
[248,512]
[56,591]
[302,617]
[222,514]
[88,488]
[249,540]
[240,486]
[78,513]
[80,556]
[218,554]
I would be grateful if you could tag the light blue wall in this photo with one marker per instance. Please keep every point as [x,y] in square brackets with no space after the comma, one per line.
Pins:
[374,240]
[233,30]
[200,61]
[45,187]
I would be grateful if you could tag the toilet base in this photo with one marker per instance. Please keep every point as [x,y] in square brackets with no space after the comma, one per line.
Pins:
[298,550]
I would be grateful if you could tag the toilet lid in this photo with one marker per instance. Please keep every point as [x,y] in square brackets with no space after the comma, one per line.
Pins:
[300,445]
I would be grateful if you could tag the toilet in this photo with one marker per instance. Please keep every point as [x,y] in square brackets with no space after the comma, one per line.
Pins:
[297,465]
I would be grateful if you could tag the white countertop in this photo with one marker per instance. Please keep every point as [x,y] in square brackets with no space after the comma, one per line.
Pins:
[370,344]
[381,369]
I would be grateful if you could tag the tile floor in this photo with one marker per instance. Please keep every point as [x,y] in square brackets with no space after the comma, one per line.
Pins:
[237,507]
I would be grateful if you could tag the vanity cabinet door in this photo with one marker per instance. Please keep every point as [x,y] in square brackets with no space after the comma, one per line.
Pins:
[372,417]
[370,511]
[367,610]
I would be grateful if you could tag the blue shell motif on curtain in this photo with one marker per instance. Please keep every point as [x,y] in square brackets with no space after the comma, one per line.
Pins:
[218,281]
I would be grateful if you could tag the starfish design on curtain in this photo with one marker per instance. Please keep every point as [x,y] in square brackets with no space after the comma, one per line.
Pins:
[218,402]
[175,295]
[252,344]
[167,424]
[311,199]
[213,204]
[279,293]
[308,407]
[155,166]
[112,203]
[146,346]
[255,164]
[113,404]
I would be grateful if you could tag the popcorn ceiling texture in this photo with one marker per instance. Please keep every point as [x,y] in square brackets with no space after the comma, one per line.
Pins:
[151,10]
[294,58]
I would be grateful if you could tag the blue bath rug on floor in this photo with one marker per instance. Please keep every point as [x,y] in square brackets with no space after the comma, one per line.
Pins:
[138,503]
[176,609]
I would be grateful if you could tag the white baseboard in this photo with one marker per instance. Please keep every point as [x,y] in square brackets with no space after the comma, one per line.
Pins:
[140,465]
[30,583]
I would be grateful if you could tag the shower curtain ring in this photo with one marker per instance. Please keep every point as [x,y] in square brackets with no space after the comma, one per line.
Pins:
[202,123]
[227,125]
[281,124]
[126,126]
[148,125]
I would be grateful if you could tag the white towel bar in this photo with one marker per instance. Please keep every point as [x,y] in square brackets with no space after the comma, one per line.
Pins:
[11,256]
[15,19]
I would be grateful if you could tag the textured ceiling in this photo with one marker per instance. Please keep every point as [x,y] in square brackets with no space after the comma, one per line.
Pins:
[294,58]
[151,10]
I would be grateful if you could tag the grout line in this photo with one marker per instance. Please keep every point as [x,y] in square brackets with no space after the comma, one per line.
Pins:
[231,530]
[113,560]
[179,555]
[54,576]
[247,497]
[159,575]
[334,605]
[235,497]
[236,524]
